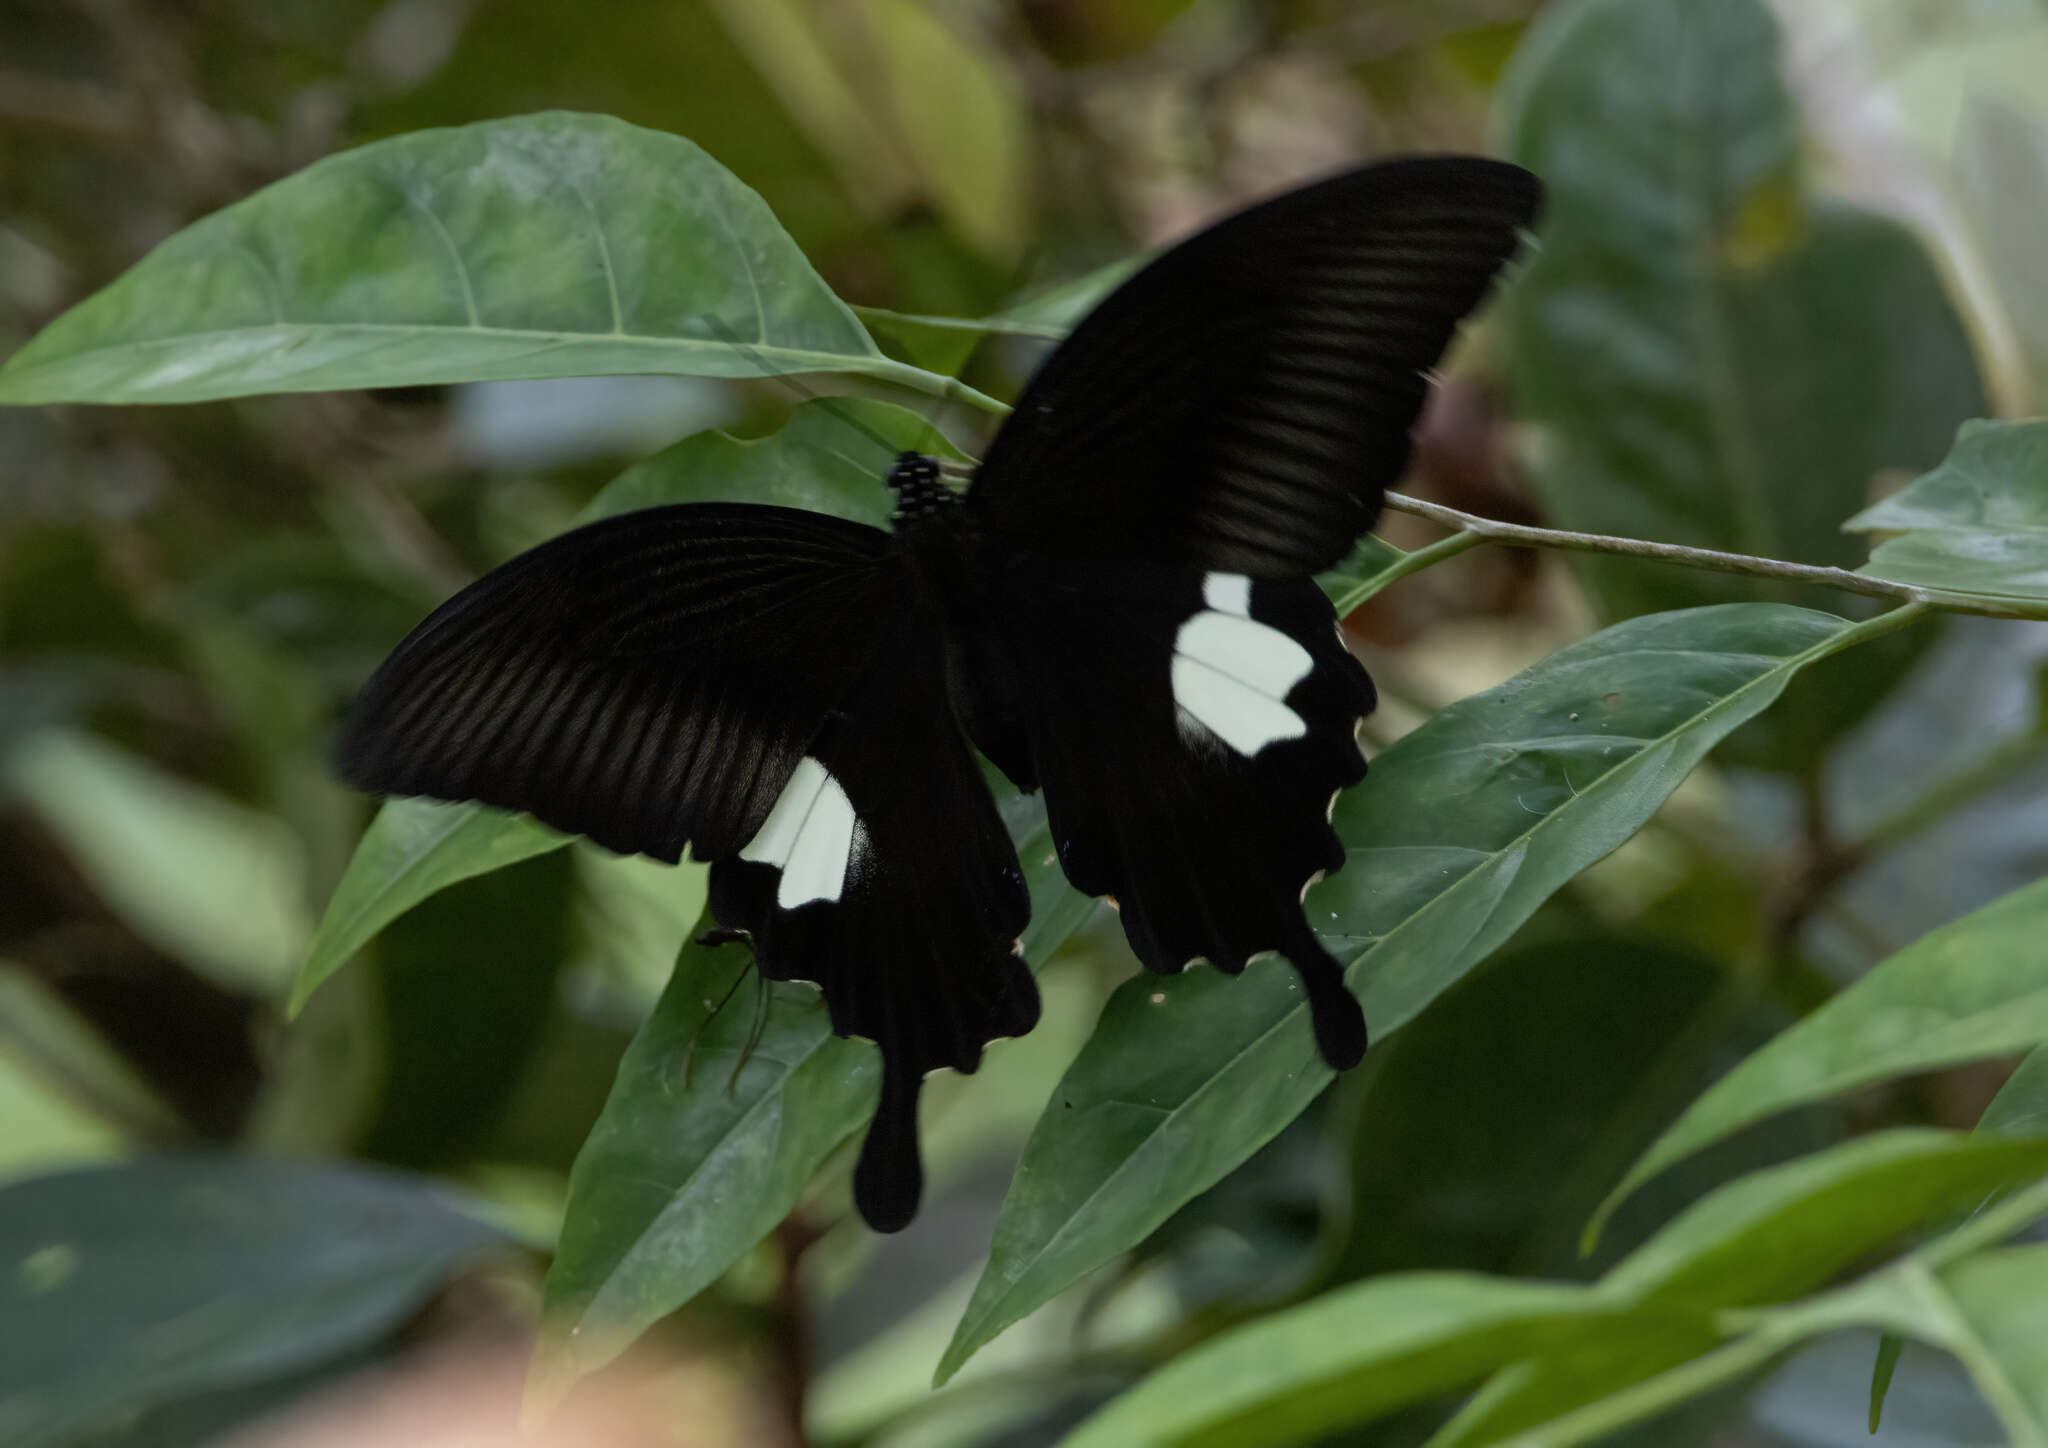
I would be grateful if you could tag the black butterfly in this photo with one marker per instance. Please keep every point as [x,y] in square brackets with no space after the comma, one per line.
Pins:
[1119,611]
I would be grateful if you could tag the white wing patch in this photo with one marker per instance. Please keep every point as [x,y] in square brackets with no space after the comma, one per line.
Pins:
[1233,673]
[1228,593]
[808,836]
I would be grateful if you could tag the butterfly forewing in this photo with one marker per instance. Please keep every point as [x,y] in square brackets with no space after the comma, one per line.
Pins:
[1190,732]
[1242,403]
[648,681]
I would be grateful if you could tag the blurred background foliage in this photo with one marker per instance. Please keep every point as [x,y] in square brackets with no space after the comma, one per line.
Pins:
[189,596]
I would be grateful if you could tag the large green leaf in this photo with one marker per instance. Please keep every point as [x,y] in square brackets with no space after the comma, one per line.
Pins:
[1349,1356]
[706,1144]
[549,245]
[830,456]
[133,1286]
[1461,830]
[1976,528]
[1678,342]
[1975,988]
[1679,336]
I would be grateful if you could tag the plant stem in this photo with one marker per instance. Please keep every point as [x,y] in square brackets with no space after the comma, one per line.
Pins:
[1518,534]
[1406,564]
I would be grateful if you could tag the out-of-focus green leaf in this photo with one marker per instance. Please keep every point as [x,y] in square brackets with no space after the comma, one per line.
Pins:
[786,42]
[706,1144]
[959,116]
[1976,528]
[132,1286]
[1764,1238]
[2021,1106]
[1677,342]
[1459,832]
[1975,988]
[1678,337]
[1348,1356]
[199,877]
[2002,1299]
[413,848]
[66,1095]
[550,245]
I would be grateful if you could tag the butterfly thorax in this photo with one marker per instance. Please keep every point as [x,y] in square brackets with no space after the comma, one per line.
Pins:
[921,491]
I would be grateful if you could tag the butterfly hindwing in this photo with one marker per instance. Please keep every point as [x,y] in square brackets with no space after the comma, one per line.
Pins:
[1190,731]
[1241,404]
[885,875]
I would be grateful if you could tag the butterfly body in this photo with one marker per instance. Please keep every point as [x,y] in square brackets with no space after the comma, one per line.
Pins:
[1120,612]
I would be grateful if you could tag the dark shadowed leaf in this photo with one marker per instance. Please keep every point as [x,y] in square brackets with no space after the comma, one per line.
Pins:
[132,1286]
[548,245]
[1459,832]
[413,848]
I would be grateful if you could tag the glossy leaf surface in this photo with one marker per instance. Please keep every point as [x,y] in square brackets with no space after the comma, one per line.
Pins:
[549,245]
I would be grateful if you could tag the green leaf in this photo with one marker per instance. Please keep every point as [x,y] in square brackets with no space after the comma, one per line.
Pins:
[1764,1238]
[2021,1106]
[691,1164]
[1050,314]
[1348,1356]
[1679,336]
[67,1095]
[819,459]
[413,848]
[1973,988]
[549,245]
[960,117]
[1976,528]
[2000,1329]
[131,1286]
[823,458]
[1461,830]
[1676,344]
[198,876]
[1889,1348]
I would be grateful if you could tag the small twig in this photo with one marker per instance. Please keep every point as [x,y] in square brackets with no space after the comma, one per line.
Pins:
[1708,558]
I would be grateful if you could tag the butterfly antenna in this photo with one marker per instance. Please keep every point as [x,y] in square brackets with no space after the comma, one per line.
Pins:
[805,393]
[754,1033]
[710,938]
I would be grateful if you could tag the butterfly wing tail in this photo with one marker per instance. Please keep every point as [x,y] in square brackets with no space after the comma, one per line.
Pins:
[888,1180]
[1333,1011]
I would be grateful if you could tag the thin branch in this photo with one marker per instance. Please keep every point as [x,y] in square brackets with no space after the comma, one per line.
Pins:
[1520,535]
